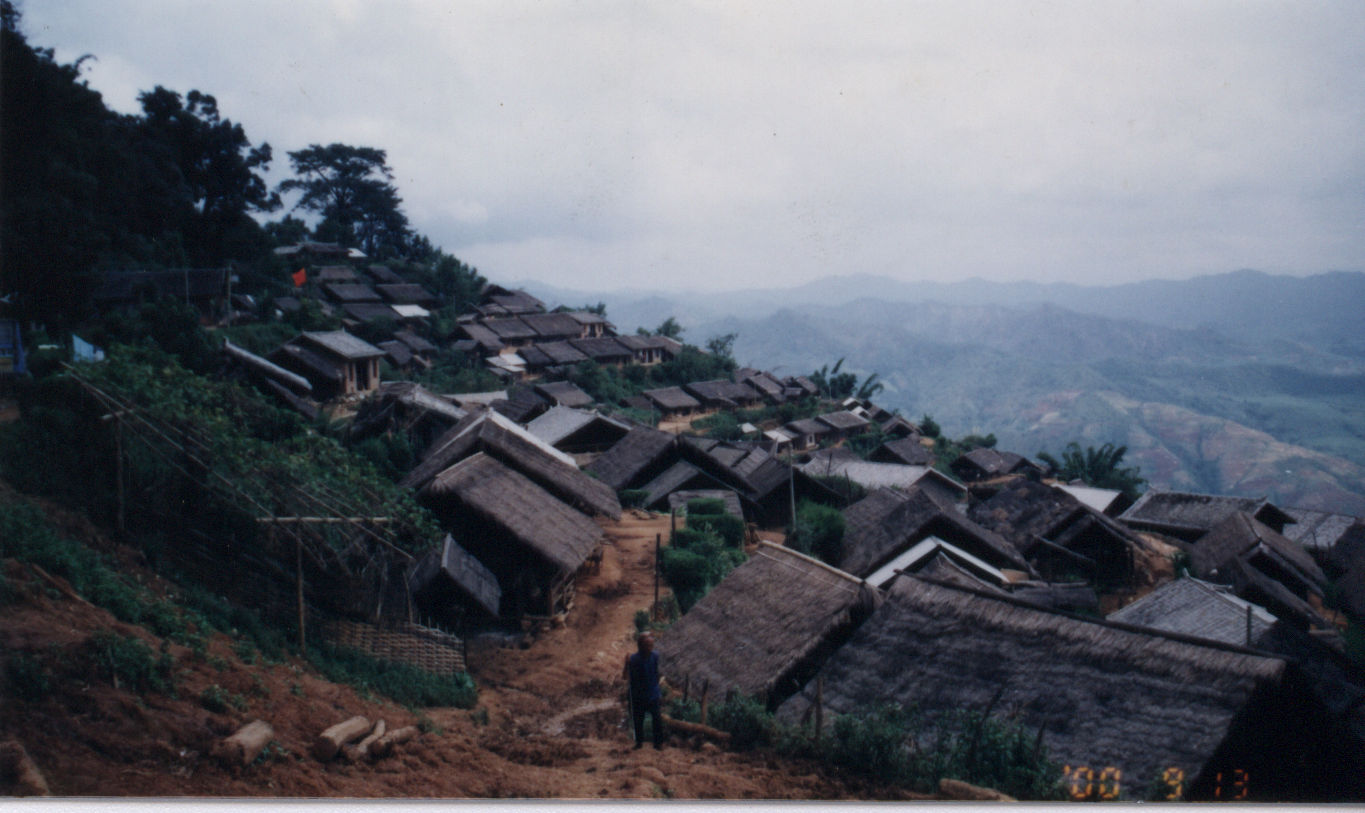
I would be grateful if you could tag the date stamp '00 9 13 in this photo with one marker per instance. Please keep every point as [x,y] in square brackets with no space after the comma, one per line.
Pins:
[1083,783]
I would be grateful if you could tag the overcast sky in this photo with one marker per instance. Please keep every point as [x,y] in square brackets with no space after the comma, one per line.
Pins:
[729,144]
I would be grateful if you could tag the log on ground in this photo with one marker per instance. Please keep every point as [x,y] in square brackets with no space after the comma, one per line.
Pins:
[245,744]
[329,742]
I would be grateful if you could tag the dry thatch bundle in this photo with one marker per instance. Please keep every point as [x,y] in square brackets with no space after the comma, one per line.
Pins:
[1105,695]
[765,628]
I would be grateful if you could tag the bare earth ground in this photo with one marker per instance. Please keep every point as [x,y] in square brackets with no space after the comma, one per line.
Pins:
[555,722]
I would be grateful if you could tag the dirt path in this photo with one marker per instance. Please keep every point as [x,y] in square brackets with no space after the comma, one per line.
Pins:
[550,720]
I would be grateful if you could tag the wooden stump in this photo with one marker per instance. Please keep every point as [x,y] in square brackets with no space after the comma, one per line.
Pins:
[384,746]
[329,742]
[357,752]
[244,745]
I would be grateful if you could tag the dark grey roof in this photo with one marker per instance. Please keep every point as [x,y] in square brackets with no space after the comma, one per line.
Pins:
[343,344]
[509,329]
[843,421]
[721,391]
[553,325]
[1198,608]
[1242,537]
[904,450]
[564,393]
[344,292]
[365,311]
[1188,516]
[460,568]
[397,352]
[406,293]
[1318,531]
[384,274]
[604,348]
[414,342]
[809,426]
[670,398]
[561,352]
[643,448]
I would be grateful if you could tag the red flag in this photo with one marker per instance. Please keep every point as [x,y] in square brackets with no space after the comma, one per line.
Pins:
[300,277]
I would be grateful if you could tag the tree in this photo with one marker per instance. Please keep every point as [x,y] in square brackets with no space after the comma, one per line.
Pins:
[216,173]
[352,189]
[722,347]
[669,329]
[1100,467]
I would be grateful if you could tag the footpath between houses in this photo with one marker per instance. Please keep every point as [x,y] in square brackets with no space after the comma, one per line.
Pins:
[550,721]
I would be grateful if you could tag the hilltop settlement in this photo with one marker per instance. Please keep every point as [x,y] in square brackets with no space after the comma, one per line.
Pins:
[827,558]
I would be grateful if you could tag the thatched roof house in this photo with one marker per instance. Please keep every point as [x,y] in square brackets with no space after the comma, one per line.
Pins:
[722,394]
[345,293]
[766,628]
[1187,516]
[492,434]
[409,408]
[1102,694]
[564,393]
[906,450]
[764,481]
[603,350]
[512,332]
[448,579]
[844,424]
[1107,501]
[498,301]
[1058,534]
[1262,565]
[887,522]
[334,362]
[529,538]
[807,432]
[575,431]
[987,464]
[641,455]
[1318,532]
[843,463]
[670,401]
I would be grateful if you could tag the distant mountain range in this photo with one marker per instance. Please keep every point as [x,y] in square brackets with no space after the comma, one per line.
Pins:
[1240,383]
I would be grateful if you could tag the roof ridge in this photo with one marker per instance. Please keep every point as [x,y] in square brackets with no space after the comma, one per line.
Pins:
[763,543]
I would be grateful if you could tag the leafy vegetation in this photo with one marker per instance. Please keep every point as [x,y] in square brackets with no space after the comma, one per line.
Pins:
[1096,467]
[819,531]
[404,684]
[694,562]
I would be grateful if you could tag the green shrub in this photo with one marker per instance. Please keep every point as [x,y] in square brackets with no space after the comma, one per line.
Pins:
[632,497]
[642,620]
[687,572]
[131,662]
[750,724]
[705,505]
[994,753]
[819,531]
[871,742]
[728,527]
[215,699]
[402,683]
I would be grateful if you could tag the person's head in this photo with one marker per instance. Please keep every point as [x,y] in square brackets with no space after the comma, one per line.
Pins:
[645,642]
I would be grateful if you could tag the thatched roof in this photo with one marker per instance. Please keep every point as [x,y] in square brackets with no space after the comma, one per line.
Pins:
[876,475]
[561,352]
[491,433]
[672,398]
[553,325]
[347,292]
[633,457]
[384,274]
[1199,608]
[1023,511]
[529,514]
[398,354]
[486,339]
[1104,694]
[602,349]
[454,566]
[561,422]
[406,293]
[983,464]
[887,522]
[680,475]
[366,311]
[921,553]
[563,393]
[722,393]
[903,450]
[510,329]
[340,343]
[416,343]
[809,426]
[1239,536]
[759,631]
[844,421]
[1100,499]
[1189,516]
[1318,531]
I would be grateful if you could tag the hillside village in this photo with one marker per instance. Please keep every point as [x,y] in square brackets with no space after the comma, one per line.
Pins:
[827,558]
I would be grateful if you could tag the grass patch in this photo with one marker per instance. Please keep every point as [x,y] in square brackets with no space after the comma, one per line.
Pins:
[400,682]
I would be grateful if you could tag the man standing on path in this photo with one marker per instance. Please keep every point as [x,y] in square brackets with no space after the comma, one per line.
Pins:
[642,673]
